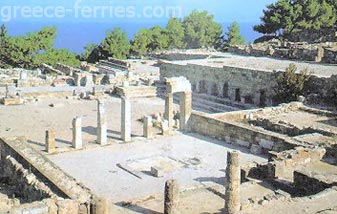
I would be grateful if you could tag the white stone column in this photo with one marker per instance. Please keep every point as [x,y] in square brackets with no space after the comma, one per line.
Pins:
[169,111]
[147,127]
[77,133]
[126,119]
[185,109]
[101,124]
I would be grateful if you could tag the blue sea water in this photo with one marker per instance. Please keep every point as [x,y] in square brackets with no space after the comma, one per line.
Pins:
[75,36]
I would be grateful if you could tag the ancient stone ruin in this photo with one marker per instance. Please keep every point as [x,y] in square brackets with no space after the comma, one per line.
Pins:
[190,132]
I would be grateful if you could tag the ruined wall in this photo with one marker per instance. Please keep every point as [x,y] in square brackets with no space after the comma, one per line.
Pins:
[239,134]
[238,84]
[66,69]
[286,162]
[247,85]
[326,53]
[52,181]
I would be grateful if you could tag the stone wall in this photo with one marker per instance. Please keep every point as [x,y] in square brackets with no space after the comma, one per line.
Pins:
[246,85]
[324,52]
[66,69]
[183,54]
[287,162]
[52,181]
[238,84]
[231,132]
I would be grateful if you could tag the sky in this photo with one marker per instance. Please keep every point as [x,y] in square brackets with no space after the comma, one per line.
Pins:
[80,22]
[223,10]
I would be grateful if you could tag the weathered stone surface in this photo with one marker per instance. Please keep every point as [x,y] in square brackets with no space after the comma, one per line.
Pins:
[185,109]
[50,141]
[77,133]
[126,119]
[233,178]
[157,172]
[171,202]
[165,129]
[148,127]
[12,101]
[101,206]
[102,138]
[67,207]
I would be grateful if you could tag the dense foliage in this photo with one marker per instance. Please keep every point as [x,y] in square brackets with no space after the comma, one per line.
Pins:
[287,16]
[233,36]
[290,85]
[116,44]
[197,30]
[30,50]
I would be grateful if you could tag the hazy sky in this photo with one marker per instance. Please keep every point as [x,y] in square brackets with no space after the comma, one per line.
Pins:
[224,10]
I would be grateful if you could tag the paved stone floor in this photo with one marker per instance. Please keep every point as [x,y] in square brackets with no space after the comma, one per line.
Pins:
[191,159]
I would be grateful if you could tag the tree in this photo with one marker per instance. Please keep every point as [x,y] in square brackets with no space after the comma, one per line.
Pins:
[141,42]
[22,50]
[290,85]
[287,16]
[159,39]
[3,46]
[53,56]
[233,35]
[116,44]
[201,30]
[175,33]
[92,53]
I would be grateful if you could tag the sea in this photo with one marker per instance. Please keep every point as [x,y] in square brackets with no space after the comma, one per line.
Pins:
[76,35]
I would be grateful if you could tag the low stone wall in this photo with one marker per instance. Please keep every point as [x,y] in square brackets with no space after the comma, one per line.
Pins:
[235,133]
[32,189]
[49,69]
[287,162]
[296,51]
[56,182]
[66,69]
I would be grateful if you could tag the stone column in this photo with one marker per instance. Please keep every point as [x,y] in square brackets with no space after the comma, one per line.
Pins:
[185,109]
[77,133]
[50,141]
[101,124]
[147,127]
[7,92]
[126,119]
[233,176]
[101,206]
[171,202]
[169,110]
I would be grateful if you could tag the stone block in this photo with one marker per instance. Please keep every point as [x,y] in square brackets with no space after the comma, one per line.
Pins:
[11,101]
[67,207]
[157,172]
[147,127]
